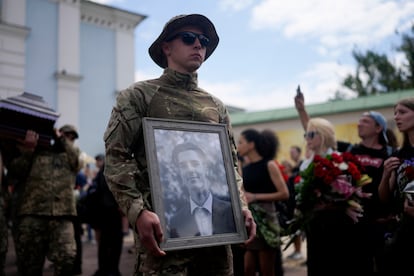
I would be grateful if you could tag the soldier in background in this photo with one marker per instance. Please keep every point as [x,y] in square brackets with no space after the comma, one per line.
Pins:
[46,204]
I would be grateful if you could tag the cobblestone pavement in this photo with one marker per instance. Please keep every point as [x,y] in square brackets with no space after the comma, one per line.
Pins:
[89,265]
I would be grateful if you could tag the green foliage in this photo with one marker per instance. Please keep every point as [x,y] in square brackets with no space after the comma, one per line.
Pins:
[375,74]
[407,47]
[266,229]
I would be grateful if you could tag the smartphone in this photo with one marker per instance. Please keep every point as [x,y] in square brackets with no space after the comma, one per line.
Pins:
[298,92]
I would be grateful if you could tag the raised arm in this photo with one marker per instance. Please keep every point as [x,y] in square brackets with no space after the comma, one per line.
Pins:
[300,107]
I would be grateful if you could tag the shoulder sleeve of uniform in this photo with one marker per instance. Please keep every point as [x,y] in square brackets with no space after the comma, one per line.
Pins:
[121,168]
[131,104]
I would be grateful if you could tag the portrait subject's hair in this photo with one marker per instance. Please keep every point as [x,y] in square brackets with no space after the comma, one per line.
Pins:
[186,147]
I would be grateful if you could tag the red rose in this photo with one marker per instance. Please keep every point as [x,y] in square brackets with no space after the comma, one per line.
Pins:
[409,172]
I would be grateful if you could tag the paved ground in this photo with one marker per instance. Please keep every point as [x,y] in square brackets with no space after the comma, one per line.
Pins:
[90,262]
[292,268]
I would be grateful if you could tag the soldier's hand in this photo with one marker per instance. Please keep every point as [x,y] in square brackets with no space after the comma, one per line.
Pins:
[57,133]
[150,233]
[250,225]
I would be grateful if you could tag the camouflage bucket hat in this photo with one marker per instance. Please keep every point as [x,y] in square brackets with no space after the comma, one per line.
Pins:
[174,24]
[69,129]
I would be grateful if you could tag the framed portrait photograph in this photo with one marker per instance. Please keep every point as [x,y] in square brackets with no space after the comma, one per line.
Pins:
[193,184]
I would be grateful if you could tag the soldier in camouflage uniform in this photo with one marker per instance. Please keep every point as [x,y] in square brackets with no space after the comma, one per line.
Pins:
[184,44]
[46,203]
[3,223]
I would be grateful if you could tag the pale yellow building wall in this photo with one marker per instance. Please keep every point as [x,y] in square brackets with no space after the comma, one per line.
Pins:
[290,131]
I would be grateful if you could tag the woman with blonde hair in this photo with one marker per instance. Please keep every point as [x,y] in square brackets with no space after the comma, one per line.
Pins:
[320,139]
[328,230]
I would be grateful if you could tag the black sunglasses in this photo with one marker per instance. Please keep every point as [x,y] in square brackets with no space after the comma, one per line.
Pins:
[310,134]
[189,38]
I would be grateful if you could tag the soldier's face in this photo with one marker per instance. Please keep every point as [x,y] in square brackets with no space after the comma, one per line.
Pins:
[192,171]
[70,137]
[182,57]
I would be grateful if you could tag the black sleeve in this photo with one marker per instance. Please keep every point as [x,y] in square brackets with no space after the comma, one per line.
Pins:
[343,146]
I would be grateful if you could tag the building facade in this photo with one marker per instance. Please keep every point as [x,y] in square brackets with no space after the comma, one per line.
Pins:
[76,54]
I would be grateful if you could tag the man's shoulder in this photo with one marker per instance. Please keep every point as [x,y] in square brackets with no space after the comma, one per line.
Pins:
[140,87]
[223,203]
[343,146]
[137,96]
[216,100]
[183,211]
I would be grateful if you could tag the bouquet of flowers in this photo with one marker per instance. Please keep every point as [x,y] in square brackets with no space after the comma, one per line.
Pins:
[331,182]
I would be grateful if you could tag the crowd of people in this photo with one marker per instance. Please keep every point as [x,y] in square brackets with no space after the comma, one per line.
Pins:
[331,234]
[340,239]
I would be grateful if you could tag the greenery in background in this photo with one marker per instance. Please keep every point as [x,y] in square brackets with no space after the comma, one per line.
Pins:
[376,74]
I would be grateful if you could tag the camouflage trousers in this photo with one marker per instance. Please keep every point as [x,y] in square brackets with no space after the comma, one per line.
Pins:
[3,240]
[208,261]
[38,237]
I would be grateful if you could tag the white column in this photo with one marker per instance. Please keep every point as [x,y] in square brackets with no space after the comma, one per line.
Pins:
[68,60]
[14,12]
[13,35]
[125,59]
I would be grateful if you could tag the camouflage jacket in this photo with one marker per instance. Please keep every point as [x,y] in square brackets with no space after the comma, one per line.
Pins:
[172,96]
[46,181]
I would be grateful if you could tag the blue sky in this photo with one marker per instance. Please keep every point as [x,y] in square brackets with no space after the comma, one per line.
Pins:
[268,47]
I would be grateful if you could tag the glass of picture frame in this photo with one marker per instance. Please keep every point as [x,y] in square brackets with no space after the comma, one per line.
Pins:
[190,164]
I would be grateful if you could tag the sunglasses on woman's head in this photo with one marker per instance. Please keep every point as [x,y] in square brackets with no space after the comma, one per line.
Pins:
[310,134]
[189,38]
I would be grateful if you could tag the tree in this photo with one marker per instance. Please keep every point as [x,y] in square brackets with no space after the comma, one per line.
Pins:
[407,47]
[375,74]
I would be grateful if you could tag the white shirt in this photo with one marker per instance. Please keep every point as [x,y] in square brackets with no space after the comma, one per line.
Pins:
[203,217]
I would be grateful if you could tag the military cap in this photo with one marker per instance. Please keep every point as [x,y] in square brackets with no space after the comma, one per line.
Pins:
[69,129]
[174,24]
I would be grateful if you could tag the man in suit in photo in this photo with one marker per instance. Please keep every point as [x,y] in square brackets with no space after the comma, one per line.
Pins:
[202,213]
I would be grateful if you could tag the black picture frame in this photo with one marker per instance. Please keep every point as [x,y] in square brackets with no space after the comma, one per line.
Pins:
[169,194]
